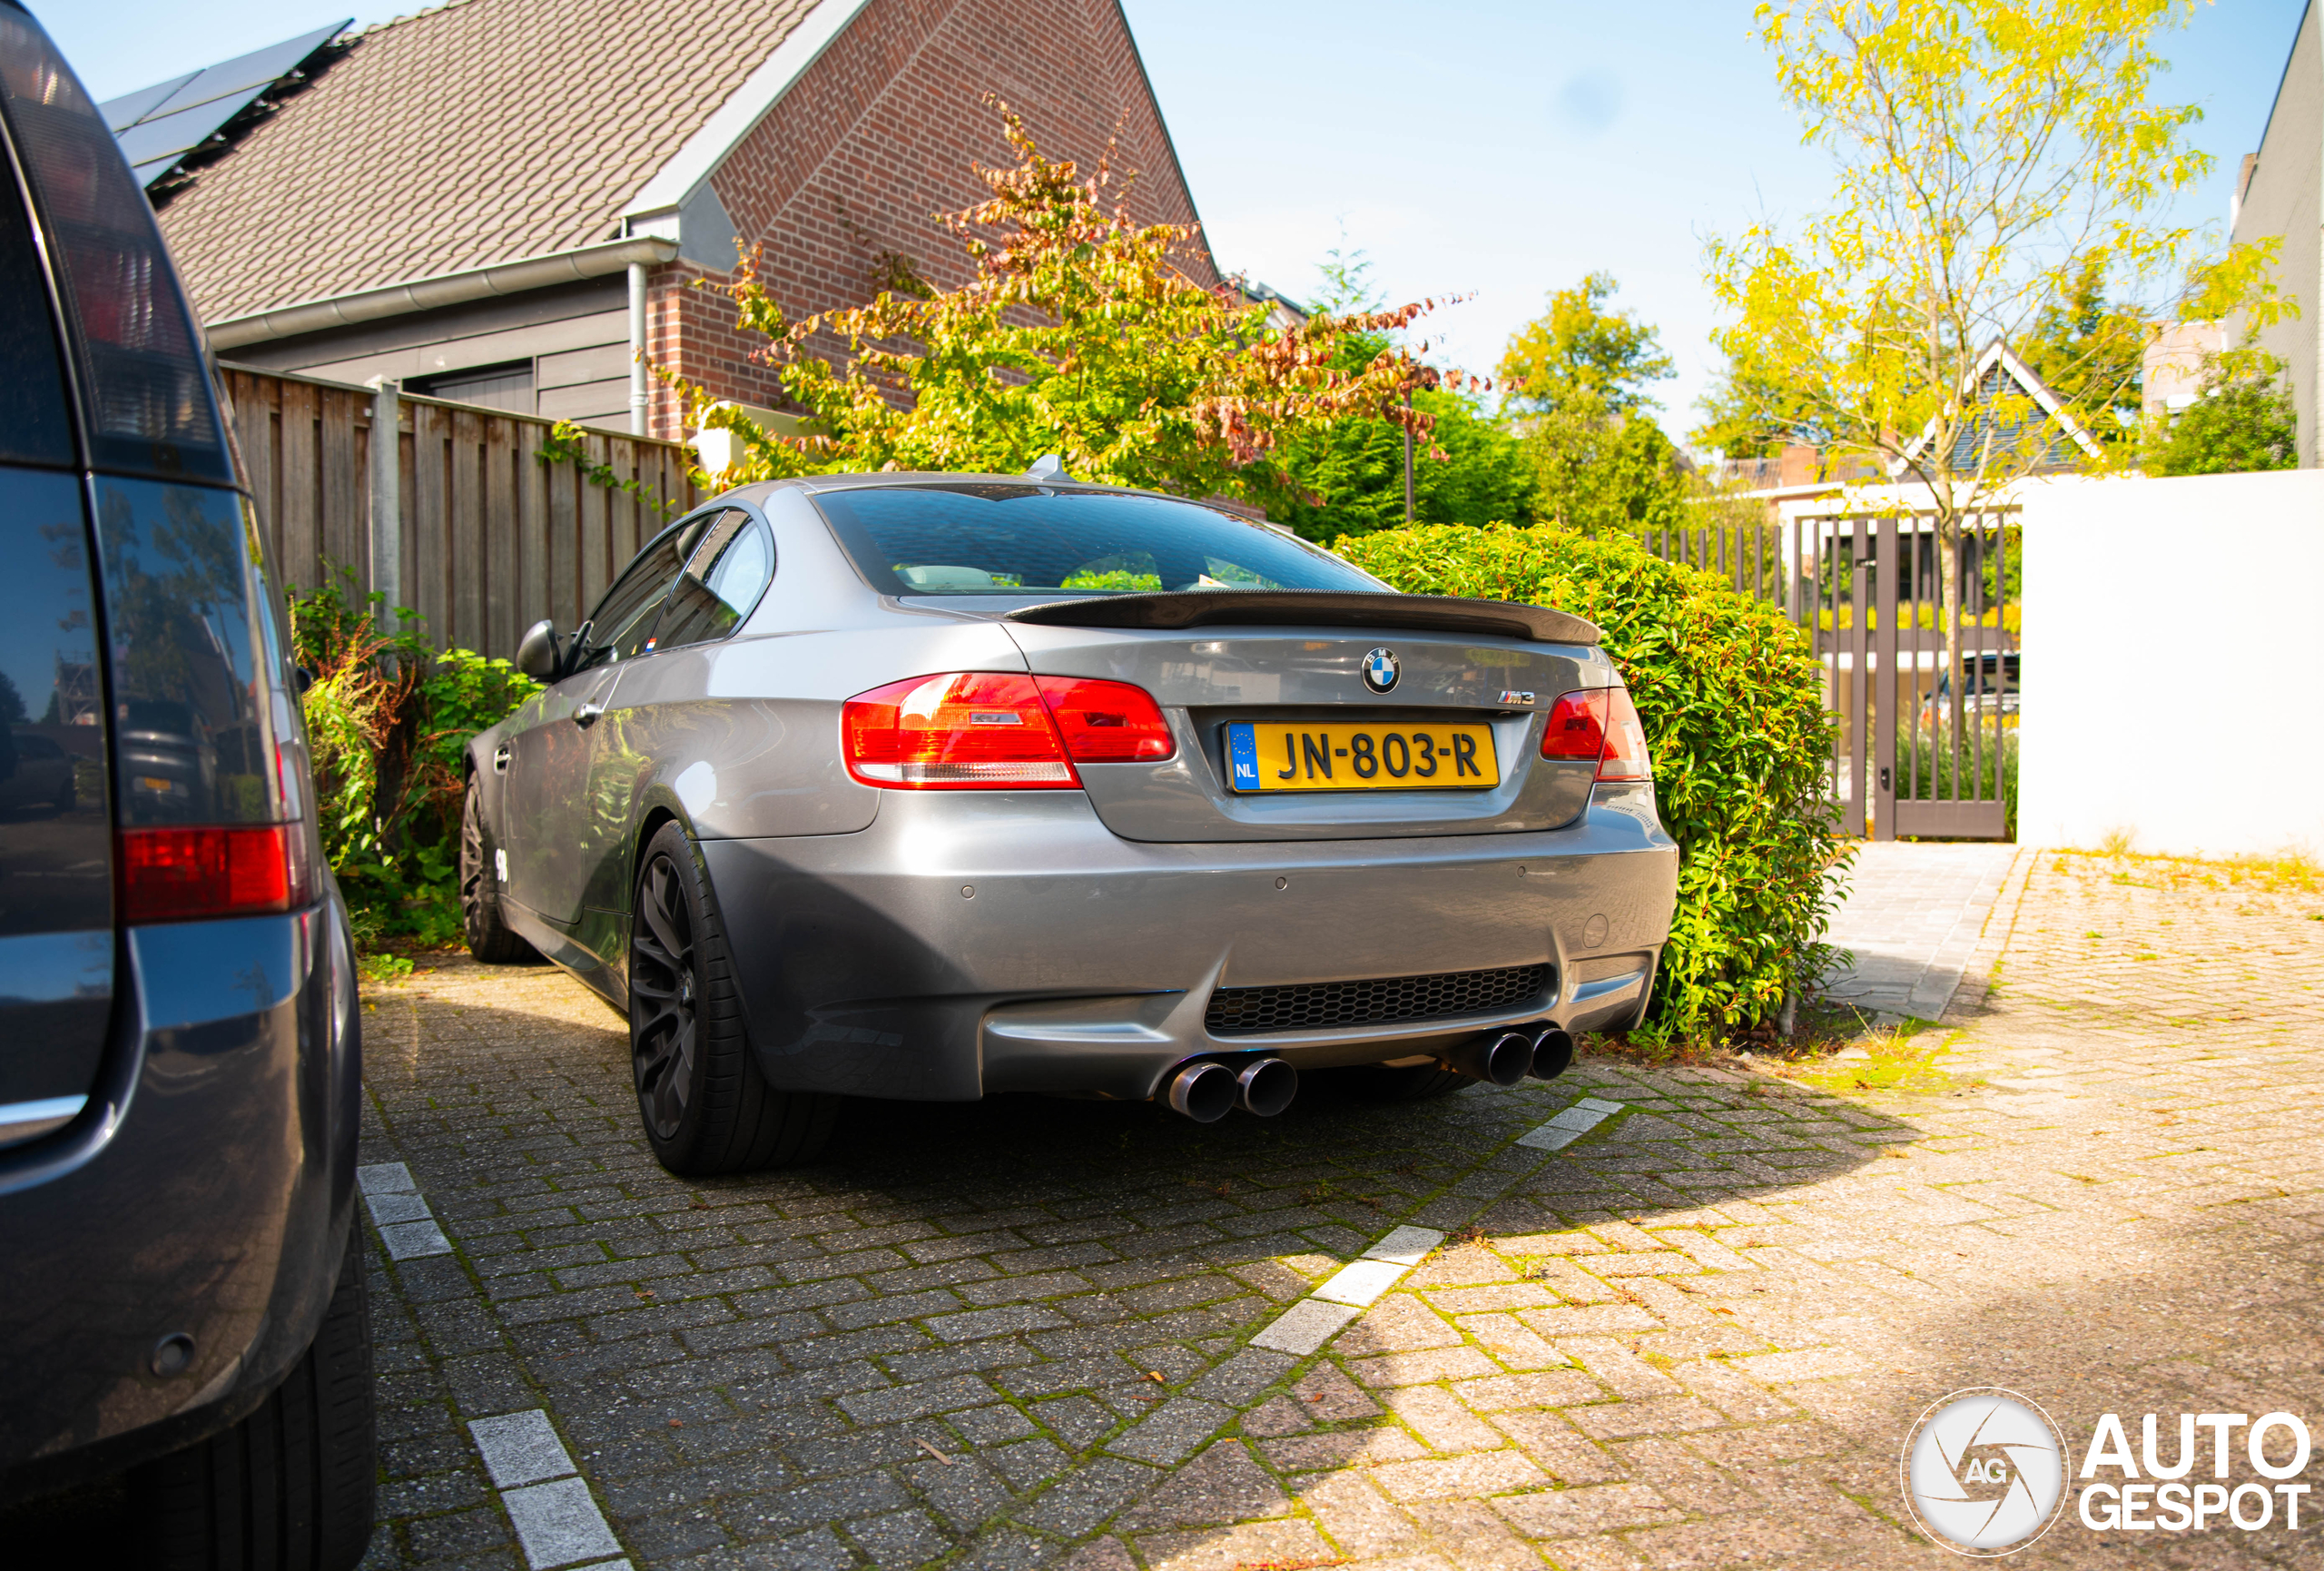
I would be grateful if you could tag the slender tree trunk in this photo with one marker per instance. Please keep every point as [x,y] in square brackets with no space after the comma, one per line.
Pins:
[1948,559]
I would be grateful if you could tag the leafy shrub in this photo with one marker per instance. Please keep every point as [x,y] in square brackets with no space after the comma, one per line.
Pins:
[387,720]
[1732,699]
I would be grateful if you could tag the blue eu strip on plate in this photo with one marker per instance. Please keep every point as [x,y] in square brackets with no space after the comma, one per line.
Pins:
[1243,753]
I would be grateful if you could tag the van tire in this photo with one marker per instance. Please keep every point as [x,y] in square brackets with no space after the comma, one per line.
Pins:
[291,1486]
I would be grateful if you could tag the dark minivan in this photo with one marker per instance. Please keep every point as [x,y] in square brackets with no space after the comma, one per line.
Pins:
[181,1289]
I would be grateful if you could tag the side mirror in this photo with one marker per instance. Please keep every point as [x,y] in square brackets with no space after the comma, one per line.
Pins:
[536,652]
[302,678]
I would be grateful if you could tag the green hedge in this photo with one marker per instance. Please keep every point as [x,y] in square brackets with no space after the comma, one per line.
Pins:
[1732,698]
[387,722]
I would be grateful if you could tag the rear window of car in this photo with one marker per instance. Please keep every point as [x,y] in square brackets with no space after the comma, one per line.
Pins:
[988,539]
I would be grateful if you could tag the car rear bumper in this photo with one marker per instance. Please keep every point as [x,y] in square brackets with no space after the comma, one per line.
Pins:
[971,943]
[204,1194]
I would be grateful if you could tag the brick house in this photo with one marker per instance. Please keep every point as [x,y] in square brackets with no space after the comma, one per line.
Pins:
[503,202]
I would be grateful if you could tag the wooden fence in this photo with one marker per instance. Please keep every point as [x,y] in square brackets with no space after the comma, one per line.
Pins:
[471,527]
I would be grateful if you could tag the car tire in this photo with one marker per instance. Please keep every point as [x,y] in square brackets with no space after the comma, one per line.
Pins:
[489,937]
[704,1105]
[291,1485]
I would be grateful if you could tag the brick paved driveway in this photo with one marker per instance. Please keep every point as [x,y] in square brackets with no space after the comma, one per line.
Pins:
[1021,1333]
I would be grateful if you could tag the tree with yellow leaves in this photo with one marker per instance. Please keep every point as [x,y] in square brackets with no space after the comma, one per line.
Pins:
[1991,159]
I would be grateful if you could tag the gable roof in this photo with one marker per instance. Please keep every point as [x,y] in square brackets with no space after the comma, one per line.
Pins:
[1978,389]
[478,132]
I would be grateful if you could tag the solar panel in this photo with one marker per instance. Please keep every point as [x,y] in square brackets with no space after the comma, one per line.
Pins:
[124,111]
[157,126]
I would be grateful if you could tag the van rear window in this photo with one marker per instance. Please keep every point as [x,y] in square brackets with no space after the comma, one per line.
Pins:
[192,729]
[36,424]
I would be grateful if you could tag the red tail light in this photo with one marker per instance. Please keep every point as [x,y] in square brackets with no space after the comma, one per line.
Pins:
[1626,757]
[174,874]
[1600,723]
[997,731]
[1577,726]
[1107,722]
[964,731]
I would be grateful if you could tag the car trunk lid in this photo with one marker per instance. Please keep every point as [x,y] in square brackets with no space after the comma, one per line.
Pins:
[1289,670]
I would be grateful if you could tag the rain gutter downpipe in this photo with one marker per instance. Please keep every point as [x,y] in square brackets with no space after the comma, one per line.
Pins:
[637,389]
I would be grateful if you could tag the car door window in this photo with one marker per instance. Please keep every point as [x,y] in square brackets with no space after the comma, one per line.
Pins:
[622,622]
[722,579]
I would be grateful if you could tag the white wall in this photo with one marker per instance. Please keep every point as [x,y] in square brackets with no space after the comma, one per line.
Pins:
[2174,664]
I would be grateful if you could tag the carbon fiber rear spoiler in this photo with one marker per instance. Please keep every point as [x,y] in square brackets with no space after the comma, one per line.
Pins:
[1314,608]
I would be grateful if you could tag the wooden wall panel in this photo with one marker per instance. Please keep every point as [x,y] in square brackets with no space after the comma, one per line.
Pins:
[428,589]
[494,538]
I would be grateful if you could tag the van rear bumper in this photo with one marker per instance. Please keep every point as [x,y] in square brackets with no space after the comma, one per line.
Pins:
[205,1193]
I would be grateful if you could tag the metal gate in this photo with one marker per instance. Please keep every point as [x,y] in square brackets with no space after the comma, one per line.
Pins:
[1926,741]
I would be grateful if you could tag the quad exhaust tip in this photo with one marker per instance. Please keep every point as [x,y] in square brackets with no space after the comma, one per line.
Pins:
[1503,1057]
[1265,1088]
[1203,1091]
[1552,1052]
[1506,1057]
[1206,1089]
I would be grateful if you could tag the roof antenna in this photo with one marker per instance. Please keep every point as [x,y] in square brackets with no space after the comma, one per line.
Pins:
[1048,467]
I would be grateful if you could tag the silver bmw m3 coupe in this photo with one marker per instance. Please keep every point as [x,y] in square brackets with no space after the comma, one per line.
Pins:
[932,786]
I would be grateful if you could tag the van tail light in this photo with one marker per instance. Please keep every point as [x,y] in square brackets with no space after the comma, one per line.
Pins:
[1107,722]
[997,731]
[1600,724]
[176,875]
[146,383]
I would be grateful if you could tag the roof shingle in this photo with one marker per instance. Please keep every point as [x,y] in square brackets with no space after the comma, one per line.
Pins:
[476,132]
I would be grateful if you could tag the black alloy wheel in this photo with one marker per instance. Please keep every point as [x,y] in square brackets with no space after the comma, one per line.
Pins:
[663,994]
[490,939]
[705,1106]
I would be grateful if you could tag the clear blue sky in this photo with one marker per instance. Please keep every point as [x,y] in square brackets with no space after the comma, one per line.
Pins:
[1493,148]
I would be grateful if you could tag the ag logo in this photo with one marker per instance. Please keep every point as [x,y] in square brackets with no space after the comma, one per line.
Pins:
[1379,670]
[1984,1472]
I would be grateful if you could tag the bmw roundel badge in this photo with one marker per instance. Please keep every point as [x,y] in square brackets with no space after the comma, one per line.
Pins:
[1381,669]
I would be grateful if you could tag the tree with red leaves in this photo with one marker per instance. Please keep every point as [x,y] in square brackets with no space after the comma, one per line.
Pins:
[1079,335]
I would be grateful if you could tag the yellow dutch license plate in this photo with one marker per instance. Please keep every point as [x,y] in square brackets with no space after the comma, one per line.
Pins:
[1339,757]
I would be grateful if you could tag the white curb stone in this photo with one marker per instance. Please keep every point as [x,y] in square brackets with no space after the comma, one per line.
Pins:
[401,1213]
[1361,1283]
[1406,1245]
[1565,1128]
[1314,1321]
[386,1177]
[1305,1325]
[558,1524]
[411,1241]
[520,1448]
[396,1207]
